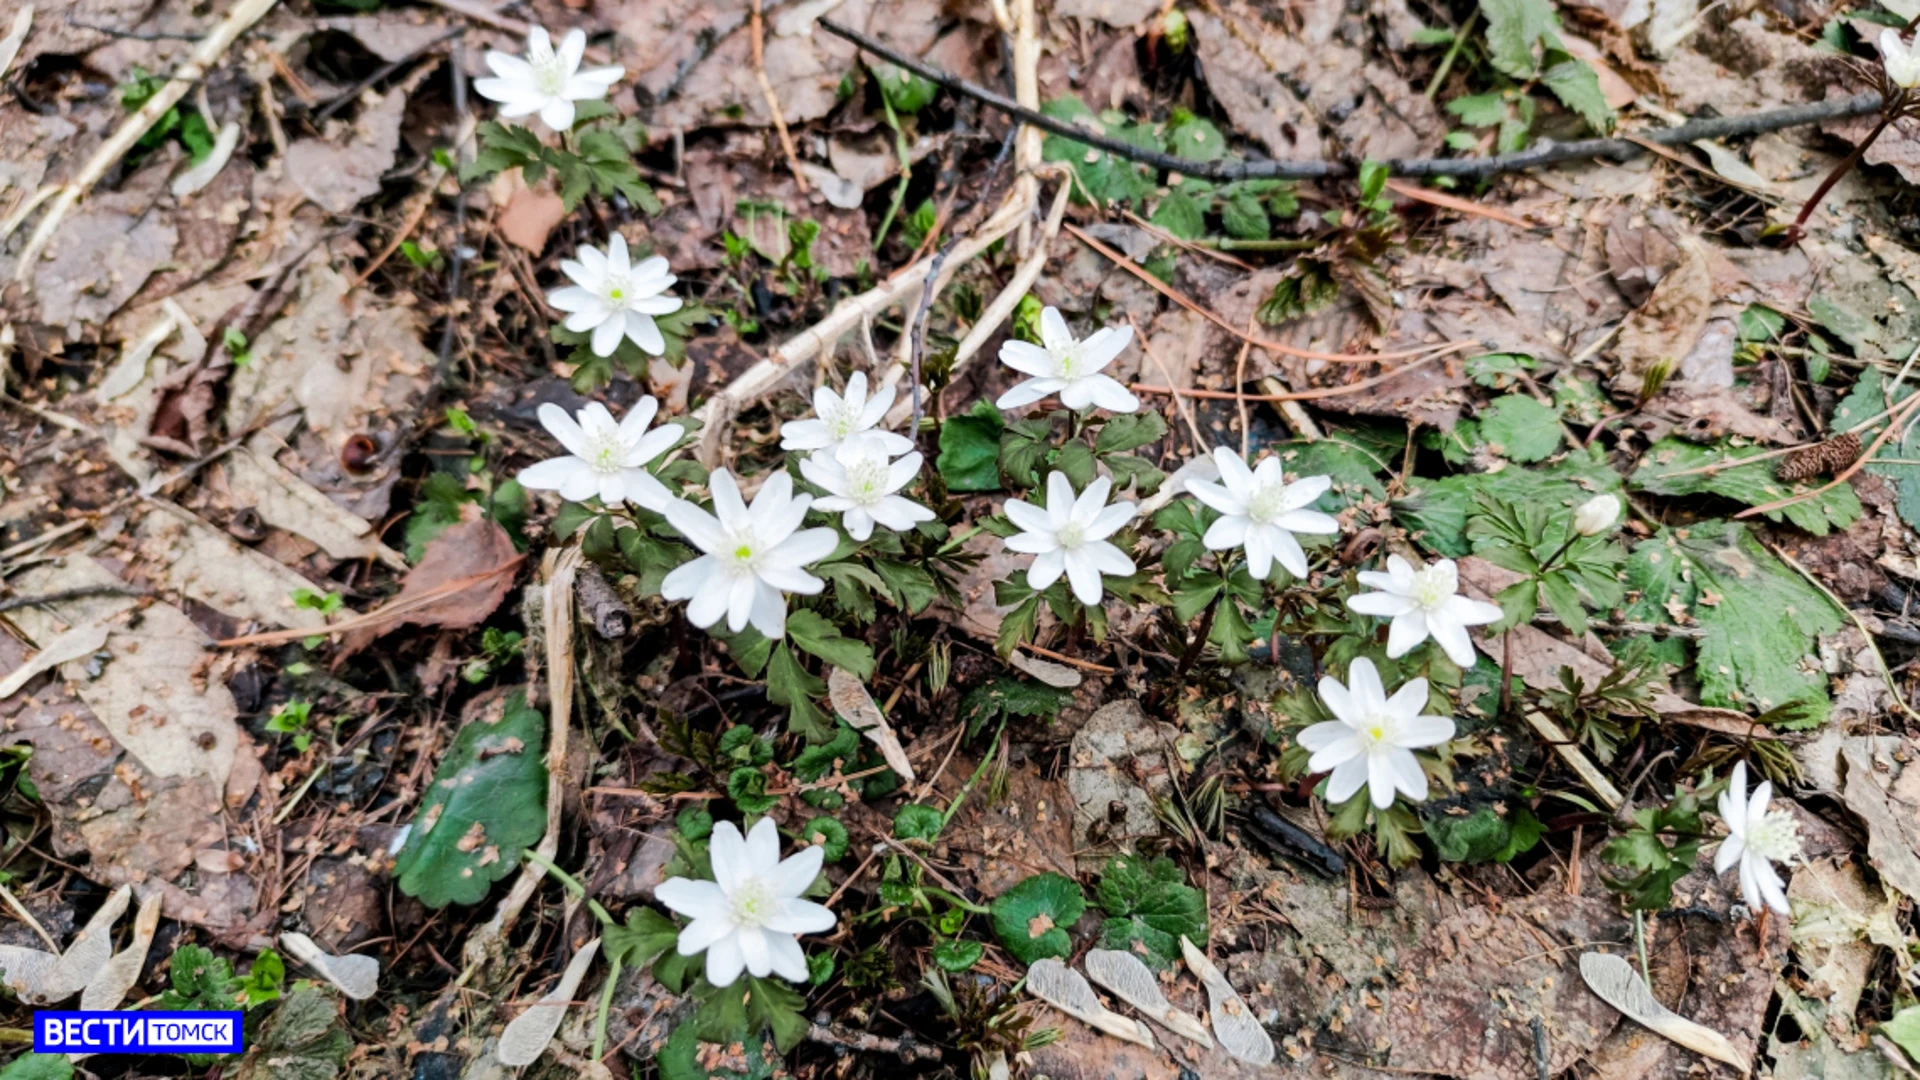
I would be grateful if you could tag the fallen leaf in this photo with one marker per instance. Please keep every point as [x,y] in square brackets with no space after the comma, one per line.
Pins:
[1067,990]
[1885,796]
[1059,676]
[529,216]
[1615,981]
[340,170]
[856,706]
[477,552]
[529,1034]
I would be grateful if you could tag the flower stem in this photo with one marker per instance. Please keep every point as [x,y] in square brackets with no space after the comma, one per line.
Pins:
[571,883]
[606,1005]
[962,904]
[1887,114]
[1640,945]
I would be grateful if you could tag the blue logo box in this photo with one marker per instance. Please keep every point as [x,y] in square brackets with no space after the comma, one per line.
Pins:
[114,1032]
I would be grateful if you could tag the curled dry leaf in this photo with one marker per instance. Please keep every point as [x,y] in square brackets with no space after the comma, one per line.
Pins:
[857,707]
[109,986]
[528,1035]
[88,952]
[1067,990]
[354,974]
[1128,978]
[1233,1022]
[1615,982]
[1058,676]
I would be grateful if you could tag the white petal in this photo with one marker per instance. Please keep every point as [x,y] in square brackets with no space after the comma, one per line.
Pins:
[785,957]
[1347,778]
[1110,395]
[1382,604]
[1028,517]
[702,528]
[1363,681]
[1027,393]
[564,428]
[805,435]
[683,582]
[1467,611]
[644,332]
[555,474]
[1455,640]
[791,877]
[1054,332]
[606,336]
[1226,533]
[1408,776]
[1028,359]
[1084,576]
[753,948]
[1343,747]
[1046,569]
[1381,779]
[1729,853]
[707,928]
[690,898]
[1219,497]
[727,854]
[1424,731]
[1288,551]
[558,114]
[1102,346]
[724,961]
[1108,559]
[1339,700]
[1311,522]
[1406,632]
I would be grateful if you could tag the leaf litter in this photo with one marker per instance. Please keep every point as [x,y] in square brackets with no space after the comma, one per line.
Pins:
[271,379]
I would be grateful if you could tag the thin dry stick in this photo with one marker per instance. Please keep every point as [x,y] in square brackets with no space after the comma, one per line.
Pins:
[205,55]
[1240,388]
[1171,293]
[1179,403]
[773,100]
[1306,395]
[27,917]
[1858,623]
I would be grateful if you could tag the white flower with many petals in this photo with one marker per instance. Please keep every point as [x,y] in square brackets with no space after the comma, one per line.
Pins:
[1756,839]
[1901,60]
[747,917]
[1423,601]
[1371,744]
[754,555]
[613,298]
[865,491]
[604,458]
[1067,367]
[545,81]
[1069,536]
[847,426]
[1261,512]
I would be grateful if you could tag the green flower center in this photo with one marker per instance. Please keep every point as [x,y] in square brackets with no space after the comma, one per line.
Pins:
[604,453]
[752,903]
[1269,501]
[867,481]
[617,289]
[1071,535]
[1431,589]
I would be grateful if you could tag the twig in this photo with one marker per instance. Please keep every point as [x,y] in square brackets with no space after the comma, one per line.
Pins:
[457,259]
[1240,388]
[1896,422]
[1179,404]
[27,917]
[866,1042]
[1858,623]
[381,617]
[1168,291]
[773,100]
[72,594]
[205,55]
[1547,152]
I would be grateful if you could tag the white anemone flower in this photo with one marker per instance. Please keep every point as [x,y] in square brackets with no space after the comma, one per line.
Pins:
[604,458]
[1756,839]
[1261,512]
[1371,743]
[1596,515]
[1067,367]
[754,555]
[1424,601]
[748,916]
[1901,60]
[864,491]
[1069,536]
[614,298]
[545,81]
[847,426]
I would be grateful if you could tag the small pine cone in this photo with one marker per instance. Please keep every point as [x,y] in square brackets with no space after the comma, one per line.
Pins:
[1828,457]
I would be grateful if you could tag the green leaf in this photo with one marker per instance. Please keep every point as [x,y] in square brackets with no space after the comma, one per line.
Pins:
[1032,918]
[486,804]
[816,635]
[791,685]
[952,955]
[747,787]
[1077,461]
[1129,431]
[1760,621]
[1148,904]
[442,497]
[1520,428]
[1181,215]
[1194,137]
[32,1066]
[1486,835]
[303,1040]
[1436,510]
[1100,177]
[197,980]
[1354,466]
[916,822]
[741,1013]
[830,835]
[645,936]
[1670,467]
[1244,217]
[905,91]
[1515,29]
[1903,1029]
[1009,695]
[1898,459]
[1578,88]
[1308,289]
[912,586]
[970,449]
[1760,323]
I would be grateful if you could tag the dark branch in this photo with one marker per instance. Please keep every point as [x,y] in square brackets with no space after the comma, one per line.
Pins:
[1547,153]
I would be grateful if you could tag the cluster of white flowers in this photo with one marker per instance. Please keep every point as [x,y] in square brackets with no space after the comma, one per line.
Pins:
[850,457]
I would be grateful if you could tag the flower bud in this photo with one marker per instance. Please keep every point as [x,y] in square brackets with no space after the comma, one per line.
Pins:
[1596,515]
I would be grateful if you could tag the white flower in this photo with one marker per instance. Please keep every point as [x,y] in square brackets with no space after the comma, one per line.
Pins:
[1901,60]
[1596,515]
[863,491]
[747,916]
[1371,745]
[546,82]
[1260,511]
[1756,839]
[848,426]
[604,458]
[754,555]
[1069,535]
[614,298]
[1067,367]
[1423,601]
